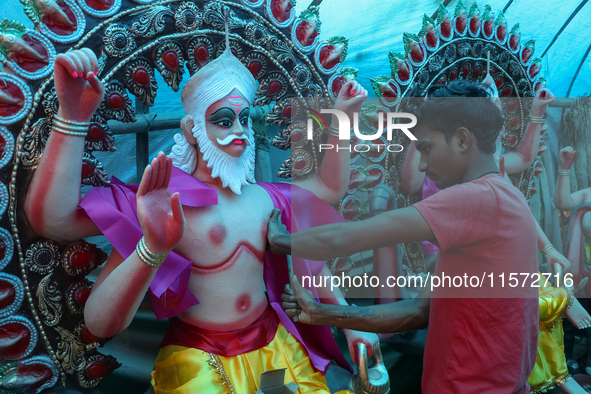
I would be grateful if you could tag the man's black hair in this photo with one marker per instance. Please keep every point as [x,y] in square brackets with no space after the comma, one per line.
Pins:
[462,104]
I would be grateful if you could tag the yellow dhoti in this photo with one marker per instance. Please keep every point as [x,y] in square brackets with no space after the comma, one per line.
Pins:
[550,369]
[184,370]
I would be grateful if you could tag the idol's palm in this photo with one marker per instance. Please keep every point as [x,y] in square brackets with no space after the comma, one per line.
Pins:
[160,214]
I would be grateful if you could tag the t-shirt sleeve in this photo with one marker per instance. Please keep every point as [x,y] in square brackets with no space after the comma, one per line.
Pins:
[461,215]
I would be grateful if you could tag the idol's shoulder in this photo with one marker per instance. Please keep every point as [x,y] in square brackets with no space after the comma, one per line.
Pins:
[259,193]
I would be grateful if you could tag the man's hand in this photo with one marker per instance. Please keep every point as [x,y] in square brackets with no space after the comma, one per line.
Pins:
[299,303]
[78,89]
[543,98]
[370,340]
[277,235]
[160,214]
[350,98]
[567,158]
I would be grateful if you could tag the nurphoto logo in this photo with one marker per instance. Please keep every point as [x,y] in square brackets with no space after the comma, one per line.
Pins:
[345,129]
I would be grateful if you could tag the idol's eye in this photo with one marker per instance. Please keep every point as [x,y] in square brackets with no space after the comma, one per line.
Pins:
[244,121]
[225,123]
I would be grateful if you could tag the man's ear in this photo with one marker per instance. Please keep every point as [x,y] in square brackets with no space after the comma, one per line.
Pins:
[187,124]
[464,138]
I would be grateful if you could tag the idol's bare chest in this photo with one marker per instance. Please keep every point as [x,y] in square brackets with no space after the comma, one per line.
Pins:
[213,233]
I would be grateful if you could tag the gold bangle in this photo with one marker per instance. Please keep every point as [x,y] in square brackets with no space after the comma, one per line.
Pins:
[536,119]
[149,258]
[563,172]
[548,249]
[69,132]
[161,257]
[334,131]
[70,122]
[70,129]
[70,125]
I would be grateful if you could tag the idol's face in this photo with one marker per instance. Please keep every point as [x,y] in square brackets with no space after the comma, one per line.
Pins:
[227,124]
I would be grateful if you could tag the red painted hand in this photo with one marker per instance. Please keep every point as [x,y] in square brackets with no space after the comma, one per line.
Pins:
[160,214]
[350,98]
[370,340]
[567,158]
[543,98]
[78,89]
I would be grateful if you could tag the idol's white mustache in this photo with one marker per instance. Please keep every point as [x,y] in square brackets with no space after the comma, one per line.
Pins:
[228,140]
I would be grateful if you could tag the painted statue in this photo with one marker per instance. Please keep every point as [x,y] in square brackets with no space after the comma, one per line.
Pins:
[194,233]
[578,231]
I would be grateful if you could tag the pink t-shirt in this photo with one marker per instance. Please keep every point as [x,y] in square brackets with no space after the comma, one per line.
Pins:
[429,189]
[478,340]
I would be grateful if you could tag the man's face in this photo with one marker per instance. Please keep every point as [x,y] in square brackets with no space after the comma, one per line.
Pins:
[440,159]
[227,124]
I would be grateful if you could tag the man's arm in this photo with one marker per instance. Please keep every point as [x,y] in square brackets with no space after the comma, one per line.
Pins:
[344,239]
[122,283]
[330,297]
[51,204]
[386,318]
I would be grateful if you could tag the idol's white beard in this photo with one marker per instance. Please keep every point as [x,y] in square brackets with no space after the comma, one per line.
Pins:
[234,172]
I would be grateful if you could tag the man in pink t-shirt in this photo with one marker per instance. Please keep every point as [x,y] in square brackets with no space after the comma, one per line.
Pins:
[482,335]
[476,344]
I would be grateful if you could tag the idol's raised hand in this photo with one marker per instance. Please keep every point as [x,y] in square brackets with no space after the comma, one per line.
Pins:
[567,158]
[350,97]
[160,214]
[78,89]
[544,97]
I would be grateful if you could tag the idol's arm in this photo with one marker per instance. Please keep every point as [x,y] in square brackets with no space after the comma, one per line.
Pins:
[564,200]
[117,294]
[344,239]
[54,193]
[332,179]
[122,284]
[552,255]
[525,154]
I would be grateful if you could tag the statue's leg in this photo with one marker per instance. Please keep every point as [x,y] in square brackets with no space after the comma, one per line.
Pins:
[285,351]
[187,370]
[183,370]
